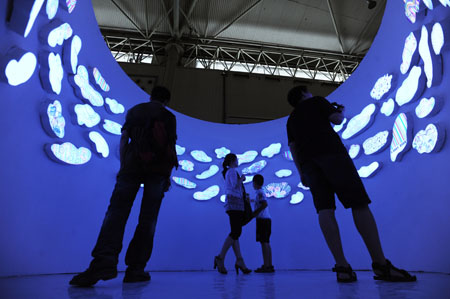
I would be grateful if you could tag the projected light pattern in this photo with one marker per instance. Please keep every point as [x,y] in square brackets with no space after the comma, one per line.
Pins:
[301,186]
[410,88]
[20,71]
[86,115]
[359,122]
[186,165]
[426,141]
[222,198]
[283,173]
[388,107]
[445,3]
[437,38]
[207,194]
[248,179]
[71,50]
[425,107]
[425,54]
[381,87]
[37,5]
[255,167]
[55,118]
[338,128]
[277,190]
[297,198]
[112,127]
[201,156]
[247,157]
[183,182]
[52,8]
[70,154]
[428,3]
[409,55]
[354,151]
[113,106]
[213,169]
[101,146]
[85,90]
[221,152]
[179,149]
[369,170]
[100,80]
[70,4]
[411,9]
[288,155]
[51,73]
[58,35]
[271,150]
[376,144]
[399,136]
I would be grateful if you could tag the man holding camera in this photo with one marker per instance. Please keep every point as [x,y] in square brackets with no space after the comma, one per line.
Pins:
[325,166]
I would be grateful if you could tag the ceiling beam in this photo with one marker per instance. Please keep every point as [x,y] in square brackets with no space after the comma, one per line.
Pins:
[176,18]
[335,26]
[237,18]
[129,19]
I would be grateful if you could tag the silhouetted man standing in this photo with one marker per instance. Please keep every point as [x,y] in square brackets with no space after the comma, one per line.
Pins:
[147,156]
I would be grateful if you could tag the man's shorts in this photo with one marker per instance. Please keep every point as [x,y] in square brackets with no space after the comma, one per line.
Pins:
[332,174]
[263,230]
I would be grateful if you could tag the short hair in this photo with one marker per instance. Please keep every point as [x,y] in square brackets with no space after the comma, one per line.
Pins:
[295,95]
[160,94]
[258,179]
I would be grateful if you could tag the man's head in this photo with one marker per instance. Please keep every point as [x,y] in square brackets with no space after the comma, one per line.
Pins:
[160,94]
[297,94]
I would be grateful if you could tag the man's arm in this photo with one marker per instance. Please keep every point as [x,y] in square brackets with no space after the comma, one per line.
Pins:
[124,139]
[336,118]
[293,150]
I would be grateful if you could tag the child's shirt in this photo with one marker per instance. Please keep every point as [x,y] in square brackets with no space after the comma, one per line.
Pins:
[260,197]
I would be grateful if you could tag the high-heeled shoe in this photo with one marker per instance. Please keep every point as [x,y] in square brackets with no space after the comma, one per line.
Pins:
[239,265]
[218,263]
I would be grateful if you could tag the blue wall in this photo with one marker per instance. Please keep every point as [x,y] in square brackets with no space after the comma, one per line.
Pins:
[51,213]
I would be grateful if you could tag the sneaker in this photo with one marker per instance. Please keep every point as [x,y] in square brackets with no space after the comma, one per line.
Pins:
[92,276]
[136,276]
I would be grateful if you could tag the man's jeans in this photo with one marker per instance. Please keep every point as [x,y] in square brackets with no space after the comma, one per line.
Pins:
[109,243]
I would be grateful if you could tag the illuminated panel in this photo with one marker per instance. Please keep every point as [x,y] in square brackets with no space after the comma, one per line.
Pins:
[288,155]
[180,150]
[112,127]
[51,72]
[255,167]
[432,65]
[24,15]
[411,9]
[429,140]
[100,143]
[55,119]
[337,128]
[409,55]
[301,186]
[381,87]
[400,136]
[201,156]
[70,4]
[113,106]
[425,107]
[71,50]
[437,38]
[359,122]
[247,157]
[68,153]
[86,115]
[184,182]
[271,150]
[297,198]
[221,152]
[213,169]
[445,3]
[248,179]
[369,170]
[100,80]
[207,194]
[20,66]
[428,4]
[186,165]
[283,173]
[58,35]
[411,88]
[376,144]
[388,107]
[222,198]
[85,90]
[354,151]
[52,8]
[277,190]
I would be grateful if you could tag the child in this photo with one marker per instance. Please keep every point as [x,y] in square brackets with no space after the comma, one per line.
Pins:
[263,225]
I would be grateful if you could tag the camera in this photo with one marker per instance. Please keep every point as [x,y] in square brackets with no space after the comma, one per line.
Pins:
[338,106]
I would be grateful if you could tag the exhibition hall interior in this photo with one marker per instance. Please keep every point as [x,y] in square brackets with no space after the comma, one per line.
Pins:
[71,70]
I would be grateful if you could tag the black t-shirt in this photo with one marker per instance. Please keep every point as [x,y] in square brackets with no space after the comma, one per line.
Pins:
[309,128]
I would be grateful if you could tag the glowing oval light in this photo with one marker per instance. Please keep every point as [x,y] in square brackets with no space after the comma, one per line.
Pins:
[381,87]
[411,9]
[376,144]
[428,140]
[186,165]
[437,38]
[297,198]
[409,55]
[255,167]
[277,190]
[213,169]
[201,156]
[86,115]
[183,182]
[247,157]
[100,143]
[55,118]
[207,194]
[271,150]
[70,154]
[51,8]
[388,107]
[301,186]
[411,87]
[221,152]
[113,106]
[354,151]
[20,71]
[112,127]
[283,173]
[179,149]
[400,136]
[369,170]
[338,128]
[425,107]
[98,78]
[85,90]
[58,35]
[359,122]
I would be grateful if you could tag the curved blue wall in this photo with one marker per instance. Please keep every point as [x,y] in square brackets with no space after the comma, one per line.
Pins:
[51,213]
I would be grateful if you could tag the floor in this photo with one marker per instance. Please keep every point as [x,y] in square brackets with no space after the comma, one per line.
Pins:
[209,284]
